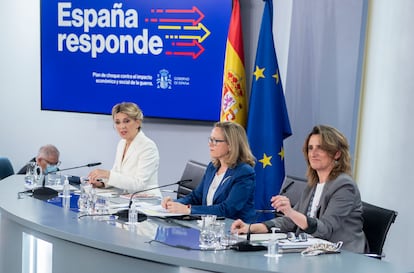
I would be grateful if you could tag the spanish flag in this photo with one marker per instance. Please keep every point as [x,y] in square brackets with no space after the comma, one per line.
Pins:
[233,102]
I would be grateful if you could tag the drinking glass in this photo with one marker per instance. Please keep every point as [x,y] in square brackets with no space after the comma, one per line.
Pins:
[38,175]
[219,234]
[30,174]
[229,239]
[101,207]
[207,232]
[83,201]
[92,197]
[54,179]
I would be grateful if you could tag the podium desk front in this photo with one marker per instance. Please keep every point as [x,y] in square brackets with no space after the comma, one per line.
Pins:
[37,235]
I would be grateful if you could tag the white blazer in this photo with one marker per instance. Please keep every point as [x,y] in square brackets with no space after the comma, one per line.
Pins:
[139,169]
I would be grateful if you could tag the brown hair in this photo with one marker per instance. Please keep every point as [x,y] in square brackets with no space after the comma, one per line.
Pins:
[332,141]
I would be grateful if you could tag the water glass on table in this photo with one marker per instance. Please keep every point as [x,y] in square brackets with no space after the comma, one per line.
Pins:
[54,179]
[207,232]
[101,207]
[30,174]
[84,201]
[219,234]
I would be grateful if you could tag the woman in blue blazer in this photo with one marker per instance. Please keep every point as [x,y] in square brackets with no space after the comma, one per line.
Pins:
[227,188]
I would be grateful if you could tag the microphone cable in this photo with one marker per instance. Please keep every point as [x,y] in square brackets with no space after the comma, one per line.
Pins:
[141,216]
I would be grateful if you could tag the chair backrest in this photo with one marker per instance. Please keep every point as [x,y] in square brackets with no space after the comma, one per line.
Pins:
[294,191]
[377,222]
[6,168]
[193,170]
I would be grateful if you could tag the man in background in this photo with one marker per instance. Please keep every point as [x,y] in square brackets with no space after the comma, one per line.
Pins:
[47,158]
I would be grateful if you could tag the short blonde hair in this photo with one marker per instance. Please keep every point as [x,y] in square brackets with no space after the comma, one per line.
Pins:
[239,150]
[130,109]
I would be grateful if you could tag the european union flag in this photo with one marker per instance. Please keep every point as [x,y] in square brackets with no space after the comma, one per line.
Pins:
[268,122]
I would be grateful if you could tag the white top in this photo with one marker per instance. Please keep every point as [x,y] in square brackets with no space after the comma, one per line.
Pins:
[213,187]
[316,199]
[139,169]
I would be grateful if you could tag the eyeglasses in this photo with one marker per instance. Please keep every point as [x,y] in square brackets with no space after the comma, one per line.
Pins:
[215,141]
[50,163]
[302,237]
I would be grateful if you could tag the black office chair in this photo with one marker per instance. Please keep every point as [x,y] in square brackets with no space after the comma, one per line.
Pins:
[23,169]
[6,168]
[193,170]
[292,187]
[377,222]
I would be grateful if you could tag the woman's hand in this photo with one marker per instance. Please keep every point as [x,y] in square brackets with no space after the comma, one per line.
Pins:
[96,176]
[239,227]
[175,207]
[281,204]
[165,201]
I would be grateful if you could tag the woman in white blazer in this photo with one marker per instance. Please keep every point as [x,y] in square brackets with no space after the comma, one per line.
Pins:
[137,158]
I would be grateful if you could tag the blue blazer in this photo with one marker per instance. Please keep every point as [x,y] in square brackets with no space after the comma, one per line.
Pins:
[234,197]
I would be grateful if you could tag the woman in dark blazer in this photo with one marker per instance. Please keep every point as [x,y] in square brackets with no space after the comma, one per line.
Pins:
[330,206]
[227,188]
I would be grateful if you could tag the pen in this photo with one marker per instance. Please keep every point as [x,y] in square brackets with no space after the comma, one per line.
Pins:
[99,180]
[266,210]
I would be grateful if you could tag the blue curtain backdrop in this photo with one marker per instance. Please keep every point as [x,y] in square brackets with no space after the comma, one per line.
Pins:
[268,121]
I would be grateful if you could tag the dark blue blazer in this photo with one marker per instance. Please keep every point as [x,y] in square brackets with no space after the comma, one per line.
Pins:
[234,197]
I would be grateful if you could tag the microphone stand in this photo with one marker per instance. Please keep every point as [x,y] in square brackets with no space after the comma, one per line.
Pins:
[246,245]
[123,214]
[45,193]
[78,167]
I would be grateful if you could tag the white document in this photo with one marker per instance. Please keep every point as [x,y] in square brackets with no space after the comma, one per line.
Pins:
[155,210]
[261,237]
[55,187]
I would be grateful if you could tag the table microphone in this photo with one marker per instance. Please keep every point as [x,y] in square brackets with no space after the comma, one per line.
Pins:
[77,167]
[284,190]
[123,214]
[45,193]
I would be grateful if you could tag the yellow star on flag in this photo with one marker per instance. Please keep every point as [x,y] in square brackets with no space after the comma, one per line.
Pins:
[266,160]
[259,72]
[282,153]
[276,76]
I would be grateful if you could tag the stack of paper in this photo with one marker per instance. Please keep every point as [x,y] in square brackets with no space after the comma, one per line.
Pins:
[155,210]
[286,246]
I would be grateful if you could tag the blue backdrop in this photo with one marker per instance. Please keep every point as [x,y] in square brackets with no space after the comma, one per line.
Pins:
[166,56]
